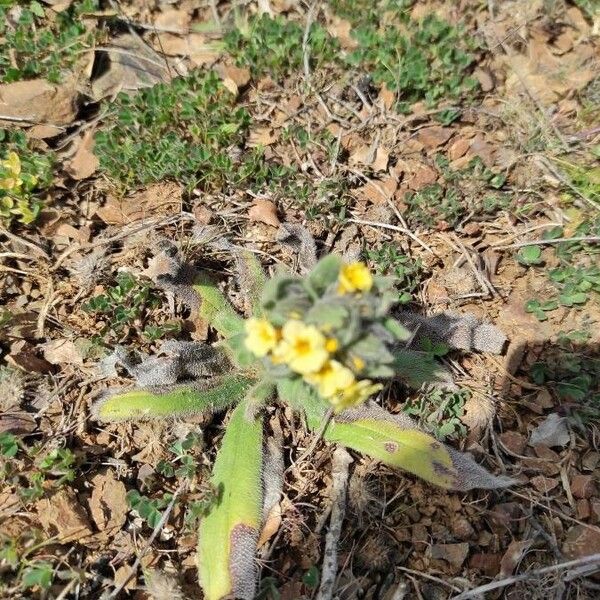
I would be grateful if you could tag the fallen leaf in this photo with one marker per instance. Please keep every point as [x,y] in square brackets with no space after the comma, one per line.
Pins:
[552,431]
[261,136]
[132,65]
[486,81]
[433,137]
[377,191]
[382,157]
[158,199]
[62,352]
[580,541]
[512,557]
[513,441]
[342,30]
[84,162]
[38,101]
[271,525]
[24,355]
[61,515]
[108,502]
[176,20]
[488,564]
[458,148]
[237,76]
[264,211]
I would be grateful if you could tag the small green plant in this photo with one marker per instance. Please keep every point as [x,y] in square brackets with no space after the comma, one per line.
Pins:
[571,370]
[427,59]
[433,204]
[125,303]
[273,45]
[539,309]
[24,174]
[183,131]
[42,47]
[530,255]
[323,344]
[148,509]
[440,413]
[8,445]
[388,260]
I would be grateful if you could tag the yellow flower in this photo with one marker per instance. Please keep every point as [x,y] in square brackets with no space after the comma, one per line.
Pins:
[355,394]
[331,345]
[302,348]
[358,363]
[354,277]
[261,336]
[12,164]
[332,379]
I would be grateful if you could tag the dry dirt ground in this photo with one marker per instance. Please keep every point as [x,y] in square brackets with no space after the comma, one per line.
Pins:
[465,198]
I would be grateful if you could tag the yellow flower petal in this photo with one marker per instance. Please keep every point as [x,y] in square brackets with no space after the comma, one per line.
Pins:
[356,394]
[331,345]
[261,336]
[302,347]
[354,277]
[332,379]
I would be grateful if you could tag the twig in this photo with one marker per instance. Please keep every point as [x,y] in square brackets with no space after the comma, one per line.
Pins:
[407,232]
[482,589]
[20,240]
[147,545]
[340,474]
[305,46]
[430,577]
[594,239]
[318,436]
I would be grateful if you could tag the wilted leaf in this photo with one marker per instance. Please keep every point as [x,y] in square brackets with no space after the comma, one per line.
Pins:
[552,431]
[63,516]
[229,533]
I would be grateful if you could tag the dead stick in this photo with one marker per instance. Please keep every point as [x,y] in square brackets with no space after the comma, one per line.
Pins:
[340,473]
[482,589]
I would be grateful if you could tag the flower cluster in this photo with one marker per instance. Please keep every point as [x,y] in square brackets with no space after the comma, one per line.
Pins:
[18,179]
[10,170]
[323,328]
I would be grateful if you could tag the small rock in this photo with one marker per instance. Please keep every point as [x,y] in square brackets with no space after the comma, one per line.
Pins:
[458,148]
[488,564]
[552,431]
[583,486]
[583,509]
[472,228]
[581,541]
[514,441]
[454,554]
[432,137]
[486,81]
[543,484]
[462,529]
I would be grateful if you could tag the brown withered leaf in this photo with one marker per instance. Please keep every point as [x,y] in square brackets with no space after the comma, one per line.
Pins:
[62,352]
[162,198]
[108,502]
[435,136]
[234,78]
[61,515]
[264,211]
[84,162]
[37,101]
[512,557]
[261,136]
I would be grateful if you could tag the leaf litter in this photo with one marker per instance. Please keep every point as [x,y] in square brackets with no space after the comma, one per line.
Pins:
[538,65]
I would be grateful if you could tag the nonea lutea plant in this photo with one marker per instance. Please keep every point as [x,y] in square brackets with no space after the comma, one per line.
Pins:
[325,344]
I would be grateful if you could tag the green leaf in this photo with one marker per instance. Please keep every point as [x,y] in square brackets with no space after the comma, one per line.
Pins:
[38,574]
[216,309]
[229,532]
[398,442]
[252,278]
[417,368]
[8,444]
[179,401]
[325,273]
[530,255]
[396,329]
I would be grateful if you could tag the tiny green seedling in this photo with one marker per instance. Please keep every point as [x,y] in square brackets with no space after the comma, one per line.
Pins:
[323,344]
[530,255]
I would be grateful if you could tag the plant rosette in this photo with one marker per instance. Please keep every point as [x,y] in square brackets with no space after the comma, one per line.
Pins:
[324,344]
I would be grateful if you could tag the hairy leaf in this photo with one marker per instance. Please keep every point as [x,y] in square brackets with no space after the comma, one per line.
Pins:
[325,273]
[216,309]
[252,278]
[417,368]
[229,533]
[395,440]
[176,401]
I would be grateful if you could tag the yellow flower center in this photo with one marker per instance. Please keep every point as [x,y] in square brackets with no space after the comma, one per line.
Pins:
[302,347]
